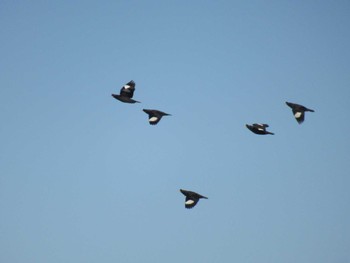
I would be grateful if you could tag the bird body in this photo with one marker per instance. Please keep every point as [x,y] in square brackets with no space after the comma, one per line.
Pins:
[298,111]
[192,198]
[126,93]
[258,128]
[154,116]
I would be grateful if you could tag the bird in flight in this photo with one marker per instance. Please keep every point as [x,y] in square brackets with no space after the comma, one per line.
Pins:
[154,116]
[258,128]
[126,93]
[192,198]
[298,111]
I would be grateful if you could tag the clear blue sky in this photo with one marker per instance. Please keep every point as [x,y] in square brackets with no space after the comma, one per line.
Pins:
[85,178]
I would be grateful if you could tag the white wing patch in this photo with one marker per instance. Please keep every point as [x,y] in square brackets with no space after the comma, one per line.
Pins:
[189,202]
[152,119]
[127,86]
[297,114]
[262,128]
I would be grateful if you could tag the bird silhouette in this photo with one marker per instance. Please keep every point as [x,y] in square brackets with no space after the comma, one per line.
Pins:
[126,93]
[298,111]
[192,198]
[154,116]
[258,128]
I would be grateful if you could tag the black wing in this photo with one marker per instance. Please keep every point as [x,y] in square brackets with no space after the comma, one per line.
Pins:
[261,127]
[153,120]
[191,202]
[128,89]
[299,116]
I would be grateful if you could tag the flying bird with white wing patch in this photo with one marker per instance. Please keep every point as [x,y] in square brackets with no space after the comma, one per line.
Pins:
[126,93]
[192,198]
[154,116]
[258,128]
[298,111]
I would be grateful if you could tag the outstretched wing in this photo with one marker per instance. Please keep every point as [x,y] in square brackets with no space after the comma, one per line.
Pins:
[260,127]
[153,117]
[190,202]
[153,120]
[299,115]
[128,89]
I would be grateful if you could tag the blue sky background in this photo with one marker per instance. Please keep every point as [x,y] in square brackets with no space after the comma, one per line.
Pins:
[85,178]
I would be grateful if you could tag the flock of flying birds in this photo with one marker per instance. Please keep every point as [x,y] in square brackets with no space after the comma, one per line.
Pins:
[154,116]
[126,94]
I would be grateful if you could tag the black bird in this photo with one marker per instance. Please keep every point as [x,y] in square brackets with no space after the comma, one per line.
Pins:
[154,116]
[298,111]
[259,128]
[192,198]
[126,93]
